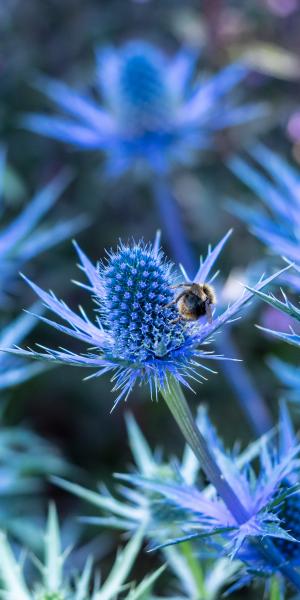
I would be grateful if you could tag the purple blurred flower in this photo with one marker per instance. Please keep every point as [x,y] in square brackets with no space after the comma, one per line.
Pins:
[293,126]
[150,110]
[135,335]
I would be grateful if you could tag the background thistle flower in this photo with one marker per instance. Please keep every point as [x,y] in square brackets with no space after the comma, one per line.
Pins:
[271,499]
[150,109]
[139,93]
[136,337]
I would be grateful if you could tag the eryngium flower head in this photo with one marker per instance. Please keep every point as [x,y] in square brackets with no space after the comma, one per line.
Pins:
[135,334]
[151,109]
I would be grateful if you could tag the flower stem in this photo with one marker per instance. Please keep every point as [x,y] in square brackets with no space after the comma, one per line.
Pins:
[176,402]
[175,399]
[195,568]
[275,593]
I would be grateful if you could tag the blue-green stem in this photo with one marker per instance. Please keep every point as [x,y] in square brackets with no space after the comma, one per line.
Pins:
[275,591]
[176,402]
[175,399]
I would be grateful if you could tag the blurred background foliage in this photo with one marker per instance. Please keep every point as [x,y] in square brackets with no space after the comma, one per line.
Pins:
[59,38]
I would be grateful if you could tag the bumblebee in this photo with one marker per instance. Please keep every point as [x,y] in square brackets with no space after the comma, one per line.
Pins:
[194,301]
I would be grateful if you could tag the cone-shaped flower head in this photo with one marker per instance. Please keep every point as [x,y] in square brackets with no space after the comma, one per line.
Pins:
[152,110]
[137,333]
[144,98]
[136,292]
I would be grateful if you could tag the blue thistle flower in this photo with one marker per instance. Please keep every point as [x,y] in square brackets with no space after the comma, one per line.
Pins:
[271,499]
[150,109]
[135,335]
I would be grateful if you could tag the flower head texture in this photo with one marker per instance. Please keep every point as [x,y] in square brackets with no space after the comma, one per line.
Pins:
[277,184]
[21,240]
[150,108]
[136,334]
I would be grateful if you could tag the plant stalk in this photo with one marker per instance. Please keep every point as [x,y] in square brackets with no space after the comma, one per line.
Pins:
[176,402]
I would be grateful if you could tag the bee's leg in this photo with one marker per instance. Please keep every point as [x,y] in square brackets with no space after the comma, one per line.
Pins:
[176,320]
[178,285]
[171,303]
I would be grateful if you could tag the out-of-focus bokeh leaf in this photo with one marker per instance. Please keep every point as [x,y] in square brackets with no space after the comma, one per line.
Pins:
[271,60]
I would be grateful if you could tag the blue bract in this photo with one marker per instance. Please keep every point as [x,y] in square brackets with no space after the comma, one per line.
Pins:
[276,223]
[22,239]
[134,333]
[151,108]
